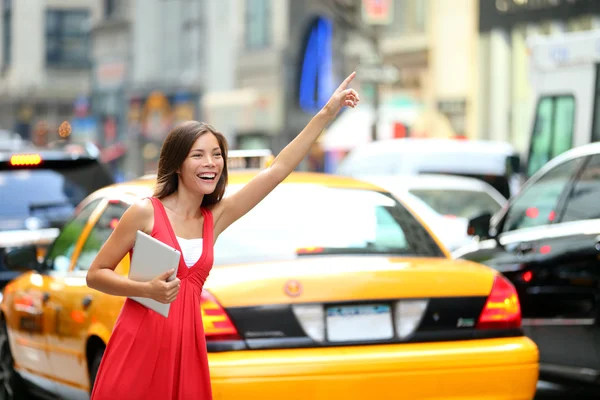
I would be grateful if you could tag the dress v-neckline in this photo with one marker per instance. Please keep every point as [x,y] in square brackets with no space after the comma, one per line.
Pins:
[174,237]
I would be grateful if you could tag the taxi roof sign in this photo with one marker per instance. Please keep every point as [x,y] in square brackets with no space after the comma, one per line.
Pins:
[249,159]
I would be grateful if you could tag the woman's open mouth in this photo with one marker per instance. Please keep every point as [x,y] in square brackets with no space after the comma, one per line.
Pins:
[207,176]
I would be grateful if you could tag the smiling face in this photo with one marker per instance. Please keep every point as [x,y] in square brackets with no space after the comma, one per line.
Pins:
[202,168]
[194,154]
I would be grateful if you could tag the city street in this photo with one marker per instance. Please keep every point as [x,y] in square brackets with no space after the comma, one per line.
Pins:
[404,194]
[548,391]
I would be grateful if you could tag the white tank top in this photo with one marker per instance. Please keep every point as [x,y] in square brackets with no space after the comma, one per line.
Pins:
[191,250]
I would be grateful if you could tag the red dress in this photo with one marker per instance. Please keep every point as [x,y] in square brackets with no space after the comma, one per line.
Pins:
[150,357]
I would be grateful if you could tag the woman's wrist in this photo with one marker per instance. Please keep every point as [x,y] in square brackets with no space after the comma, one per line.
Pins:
[326,113]
[141,289]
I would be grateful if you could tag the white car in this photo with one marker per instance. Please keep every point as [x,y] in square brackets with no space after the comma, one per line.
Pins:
[496,163]
[444,202]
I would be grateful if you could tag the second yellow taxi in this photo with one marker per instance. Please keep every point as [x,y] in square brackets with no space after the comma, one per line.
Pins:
[328,289]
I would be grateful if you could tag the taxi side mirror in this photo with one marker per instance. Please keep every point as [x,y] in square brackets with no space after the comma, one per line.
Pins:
[480,226]
[21,259]
[514,164]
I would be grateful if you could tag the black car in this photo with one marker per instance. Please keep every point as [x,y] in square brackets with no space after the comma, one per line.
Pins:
[546,240]
[39,190]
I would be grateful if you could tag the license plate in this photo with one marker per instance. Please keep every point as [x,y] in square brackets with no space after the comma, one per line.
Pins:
[358,323]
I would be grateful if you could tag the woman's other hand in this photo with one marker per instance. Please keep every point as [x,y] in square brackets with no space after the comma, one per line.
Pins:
[163,291]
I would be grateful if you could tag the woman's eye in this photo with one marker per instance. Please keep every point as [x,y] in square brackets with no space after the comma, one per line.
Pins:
[217,154]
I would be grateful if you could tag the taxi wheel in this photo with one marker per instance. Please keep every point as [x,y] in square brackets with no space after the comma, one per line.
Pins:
[11,384]
[94,366]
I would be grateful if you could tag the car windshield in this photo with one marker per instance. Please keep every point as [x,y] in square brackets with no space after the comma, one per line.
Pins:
[49,193]
[458,203]
[298,220]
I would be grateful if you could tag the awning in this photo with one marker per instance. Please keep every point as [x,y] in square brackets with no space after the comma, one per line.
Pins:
[246,110]
[353,127]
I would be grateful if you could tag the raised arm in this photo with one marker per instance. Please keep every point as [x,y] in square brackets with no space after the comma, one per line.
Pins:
[235,206]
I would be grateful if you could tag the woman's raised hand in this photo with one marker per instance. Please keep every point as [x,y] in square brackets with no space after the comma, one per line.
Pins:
[342,97]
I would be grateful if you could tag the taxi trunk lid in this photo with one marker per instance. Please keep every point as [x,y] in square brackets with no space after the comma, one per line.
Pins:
[330,279]
[341,300]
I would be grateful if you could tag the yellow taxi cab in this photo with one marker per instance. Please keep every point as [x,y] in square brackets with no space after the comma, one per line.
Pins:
[329,289]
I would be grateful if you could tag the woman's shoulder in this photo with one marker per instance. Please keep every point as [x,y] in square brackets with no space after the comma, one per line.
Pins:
[142,212]
[142,207]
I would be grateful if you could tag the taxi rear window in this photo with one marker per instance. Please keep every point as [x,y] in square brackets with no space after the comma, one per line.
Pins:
[299,220]
[499,182]
[458,203]
[51,190]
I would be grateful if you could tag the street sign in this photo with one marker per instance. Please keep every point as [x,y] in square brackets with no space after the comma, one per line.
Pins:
[378,12]
[382,73]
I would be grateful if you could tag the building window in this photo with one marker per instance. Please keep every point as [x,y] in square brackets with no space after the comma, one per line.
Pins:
[67,38]
[258,21]
[109,8]
[582,23]
[192,35]
[420,21]
[409,16]
[545,28]
[6,34]
[399,13]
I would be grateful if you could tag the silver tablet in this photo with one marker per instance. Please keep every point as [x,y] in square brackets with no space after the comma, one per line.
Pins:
[151,258]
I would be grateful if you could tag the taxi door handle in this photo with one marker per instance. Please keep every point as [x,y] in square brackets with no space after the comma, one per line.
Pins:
[524,248]
[597,243]
[87,300]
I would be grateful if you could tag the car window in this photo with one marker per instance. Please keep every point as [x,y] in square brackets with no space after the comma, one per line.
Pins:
[536,205]
[99,234]
[49,192]
[59,255]
[553,130]
[582,202]
[296,219]
[458,203]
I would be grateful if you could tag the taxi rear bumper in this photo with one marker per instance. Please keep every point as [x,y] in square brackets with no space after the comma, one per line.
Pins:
[478,369]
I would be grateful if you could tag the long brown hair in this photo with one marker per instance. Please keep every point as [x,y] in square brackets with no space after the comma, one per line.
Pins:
[175,150]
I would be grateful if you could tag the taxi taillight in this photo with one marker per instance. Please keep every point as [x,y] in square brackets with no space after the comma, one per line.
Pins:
[309,250]
[502,309]
[25,159]
[217,325]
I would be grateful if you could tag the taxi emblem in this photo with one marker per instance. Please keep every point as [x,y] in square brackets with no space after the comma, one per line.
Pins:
[293,288]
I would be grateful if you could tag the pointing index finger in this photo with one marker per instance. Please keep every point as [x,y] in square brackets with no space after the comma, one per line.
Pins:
[347,81]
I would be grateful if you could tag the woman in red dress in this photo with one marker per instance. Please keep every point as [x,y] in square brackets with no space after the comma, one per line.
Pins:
[150,357]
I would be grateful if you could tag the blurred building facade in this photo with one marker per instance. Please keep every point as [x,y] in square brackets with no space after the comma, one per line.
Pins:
[45,63]
[259,69]
[176,51]
[237,64]
[432,46]
[111,53]
[506,103]
[249,109]
[279,79]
